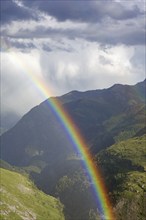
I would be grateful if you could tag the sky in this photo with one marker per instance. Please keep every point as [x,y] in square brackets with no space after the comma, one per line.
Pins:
[70,45]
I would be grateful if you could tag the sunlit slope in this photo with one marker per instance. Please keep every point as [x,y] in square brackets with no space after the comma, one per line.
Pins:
[124,168]
[20,199]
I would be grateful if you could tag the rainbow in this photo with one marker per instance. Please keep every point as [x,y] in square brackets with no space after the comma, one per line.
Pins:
[73,132]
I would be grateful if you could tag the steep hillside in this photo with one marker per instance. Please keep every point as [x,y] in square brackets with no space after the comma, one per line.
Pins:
[39,145]
[69,181]
[20,199]
[124,168]
[103,116]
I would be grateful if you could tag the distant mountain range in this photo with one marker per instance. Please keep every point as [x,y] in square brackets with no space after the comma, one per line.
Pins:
[116,116]
[7,121]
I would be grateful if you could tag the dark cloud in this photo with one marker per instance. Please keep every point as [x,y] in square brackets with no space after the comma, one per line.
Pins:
[106,21]
[75,10]
[23,45]
[117,35]
[135,37]
[67,9]
[10,11]
[131,37]
[85,11]
[117,11]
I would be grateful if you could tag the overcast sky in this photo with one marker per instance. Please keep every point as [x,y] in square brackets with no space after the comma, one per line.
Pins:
[71,45]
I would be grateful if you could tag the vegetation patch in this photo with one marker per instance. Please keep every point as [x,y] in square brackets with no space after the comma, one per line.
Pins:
[124,168]
[20,199]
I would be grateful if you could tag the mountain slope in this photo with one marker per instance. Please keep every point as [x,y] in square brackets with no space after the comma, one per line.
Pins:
[39,144]
[124,169]
[20,199]
[103,116]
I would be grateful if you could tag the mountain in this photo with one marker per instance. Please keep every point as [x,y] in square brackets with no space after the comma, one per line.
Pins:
[20,199]
[124,170]
[103,116]
[38,144]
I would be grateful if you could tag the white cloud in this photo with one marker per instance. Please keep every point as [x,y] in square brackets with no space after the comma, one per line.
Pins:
[41,27]
[18,93]
[87,65]
[90,67]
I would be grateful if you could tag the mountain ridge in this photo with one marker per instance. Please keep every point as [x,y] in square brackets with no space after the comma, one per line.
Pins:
[39,145]
[94,114]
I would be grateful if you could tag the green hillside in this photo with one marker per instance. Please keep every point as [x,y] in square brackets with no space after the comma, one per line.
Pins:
[124,168]
[39,146]
[20,199]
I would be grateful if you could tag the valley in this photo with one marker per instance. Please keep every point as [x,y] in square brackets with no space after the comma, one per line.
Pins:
[112,122]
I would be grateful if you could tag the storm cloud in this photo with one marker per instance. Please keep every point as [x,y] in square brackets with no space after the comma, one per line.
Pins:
[107,22]
[86,11]
[11,10]
[71,45]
